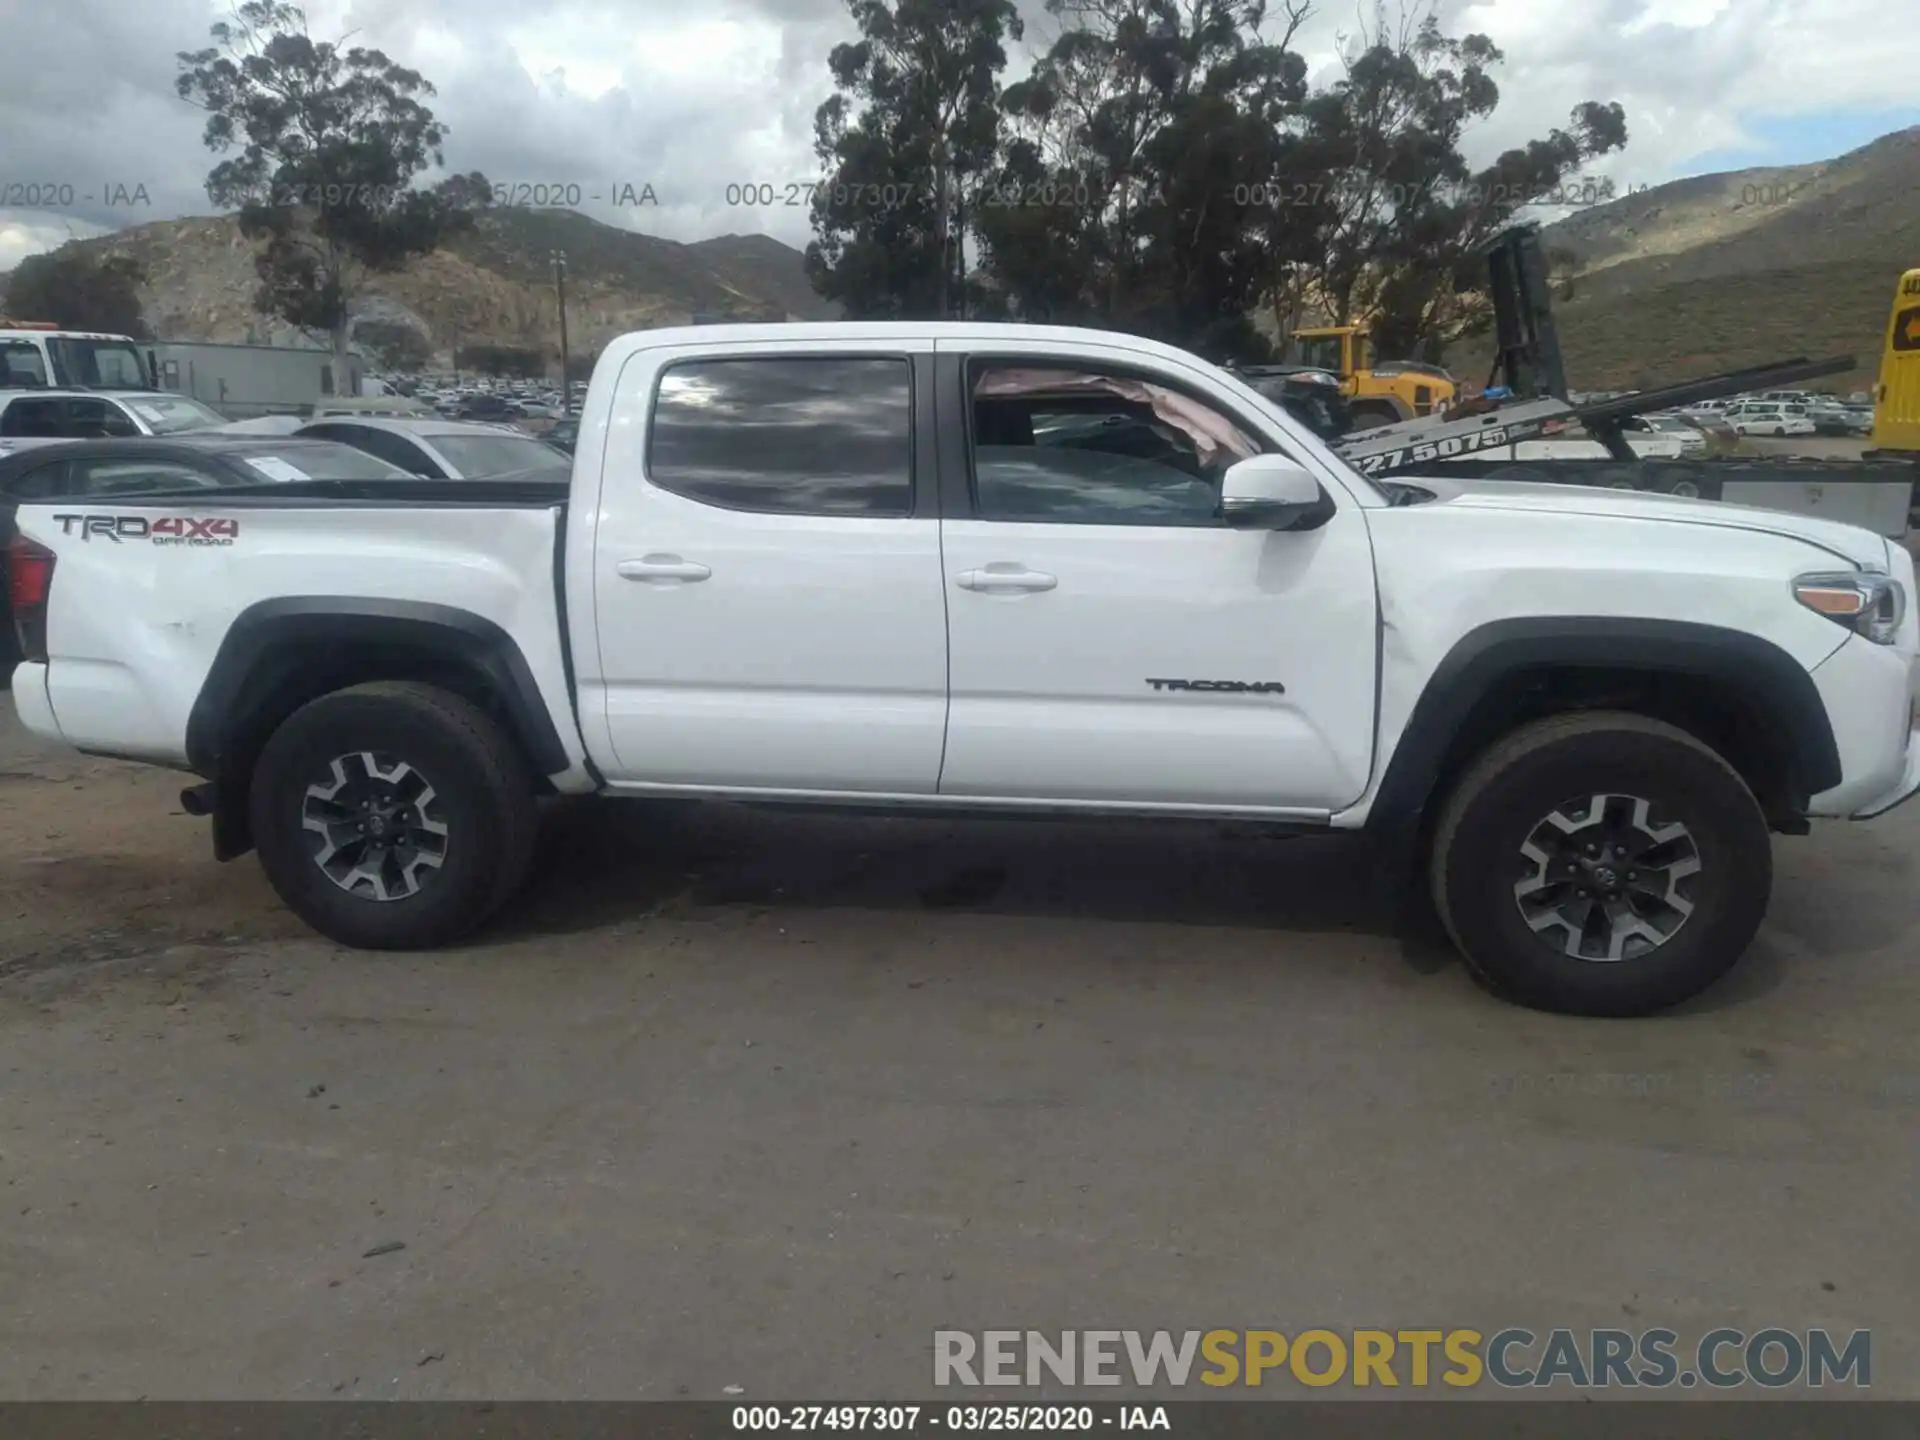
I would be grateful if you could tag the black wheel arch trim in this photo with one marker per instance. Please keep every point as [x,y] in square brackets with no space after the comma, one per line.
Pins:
[234,684]
[1481,658]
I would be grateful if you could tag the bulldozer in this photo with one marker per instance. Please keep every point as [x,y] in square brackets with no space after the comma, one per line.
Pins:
[1378,392]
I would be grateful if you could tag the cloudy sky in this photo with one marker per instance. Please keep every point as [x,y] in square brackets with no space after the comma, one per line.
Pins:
[688,96]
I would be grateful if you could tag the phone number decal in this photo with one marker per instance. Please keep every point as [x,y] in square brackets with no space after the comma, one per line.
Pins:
[1390,460]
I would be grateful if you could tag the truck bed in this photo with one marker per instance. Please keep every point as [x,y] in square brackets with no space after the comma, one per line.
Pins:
[412,493]
[164,609]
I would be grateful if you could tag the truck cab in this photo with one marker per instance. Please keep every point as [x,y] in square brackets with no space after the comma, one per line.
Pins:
[37,354]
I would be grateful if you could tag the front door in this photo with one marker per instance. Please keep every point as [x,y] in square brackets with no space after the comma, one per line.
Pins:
[1111,639]
[766,575]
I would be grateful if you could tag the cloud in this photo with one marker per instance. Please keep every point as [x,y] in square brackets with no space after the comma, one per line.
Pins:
[691,98]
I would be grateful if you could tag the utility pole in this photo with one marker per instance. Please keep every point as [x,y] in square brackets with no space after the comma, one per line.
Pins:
[566,363]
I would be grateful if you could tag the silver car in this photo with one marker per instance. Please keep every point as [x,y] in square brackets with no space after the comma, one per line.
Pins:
[100,414]
[445,449]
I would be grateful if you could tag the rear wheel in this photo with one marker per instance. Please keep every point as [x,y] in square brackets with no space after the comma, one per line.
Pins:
[1601,864]
[1371,415]
[393,815]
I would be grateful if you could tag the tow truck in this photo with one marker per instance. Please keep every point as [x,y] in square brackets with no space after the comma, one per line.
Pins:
[39,353]
[1529,400]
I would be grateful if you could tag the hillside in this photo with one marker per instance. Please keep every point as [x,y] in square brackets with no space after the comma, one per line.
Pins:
[1720,271]
[492,286]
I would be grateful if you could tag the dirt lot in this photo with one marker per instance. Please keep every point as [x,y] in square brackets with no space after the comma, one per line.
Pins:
[738,1100]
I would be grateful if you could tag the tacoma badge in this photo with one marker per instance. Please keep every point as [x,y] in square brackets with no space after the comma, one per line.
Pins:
[1237,687]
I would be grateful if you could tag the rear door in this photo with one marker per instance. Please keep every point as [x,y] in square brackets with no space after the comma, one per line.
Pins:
[1111,640]
[766,572]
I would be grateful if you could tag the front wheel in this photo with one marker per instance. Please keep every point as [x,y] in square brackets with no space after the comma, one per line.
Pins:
[393,815]
[1601,864]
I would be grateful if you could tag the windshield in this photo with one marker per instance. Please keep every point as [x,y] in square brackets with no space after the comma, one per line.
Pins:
[477,456]
[98,364]
[172,414]
[319,461]
[1322,352]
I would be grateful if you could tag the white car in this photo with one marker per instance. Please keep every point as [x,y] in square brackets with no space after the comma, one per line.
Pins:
[1769,420]
[265,425]
[101,414]
[1688,440]
[830,565]
[444,449]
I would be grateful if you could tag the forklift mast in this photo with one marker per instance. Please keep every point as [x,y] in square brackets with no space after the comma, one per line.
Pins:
[1528,362]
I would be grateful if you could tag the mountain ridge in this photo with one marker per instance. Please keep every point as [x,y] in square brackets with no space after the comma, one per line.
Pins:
[490,286]
[1715,272]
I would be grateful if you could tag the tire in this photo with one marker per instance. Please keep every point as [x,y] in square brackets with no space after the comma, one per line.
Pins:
[10,655]
[462,778]
[1517,944]
[1372,417]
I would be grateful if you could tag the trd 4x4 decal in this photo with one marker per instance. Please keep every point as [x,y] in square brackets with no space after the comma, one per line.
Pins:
[167,530]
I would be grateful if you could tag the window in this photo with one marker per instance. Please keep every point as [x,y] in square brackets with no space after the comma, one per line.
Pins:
[1323,352]
[21,364]
[1069,446]
[477,457]
[171,414]
[43,482]
[316,462]
[813,435]
[1906,330]
[43,419]
[102,364]
[384,444]
[94,419]
[121,475]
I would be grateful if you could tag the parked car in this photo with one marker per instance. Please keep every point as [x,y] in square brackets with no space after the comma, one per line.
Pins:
[1689,438]
[445,449]
[563,434]
[1313,397]
[263,425]
[1769,420]
[486,407]
[789,575]
[1713,424]
[101,414]
[38,470]
[1830,419]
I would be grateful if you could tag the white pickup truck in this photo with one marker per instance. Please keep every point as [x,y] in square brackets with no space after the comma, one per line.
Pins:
[994,568]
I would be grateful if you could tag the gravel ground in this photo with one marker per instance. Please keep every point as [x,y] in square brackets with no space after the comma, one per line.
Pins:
[732,1099]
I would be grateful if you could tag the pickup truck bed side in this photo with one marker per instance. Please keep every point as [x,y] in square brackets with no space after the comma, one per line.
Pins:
[182,652]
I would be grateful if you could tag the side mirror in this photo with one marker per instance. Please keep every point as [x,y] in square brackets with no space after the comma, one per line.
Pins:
[1267,492]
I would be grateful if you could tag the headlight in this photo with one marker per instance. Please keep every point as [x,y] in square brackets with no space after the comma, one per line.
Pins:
[1866,602]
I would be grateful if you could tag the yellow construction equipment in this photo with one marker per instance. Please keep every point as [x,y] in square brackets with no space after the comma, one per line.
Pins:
[1380,392]
[1896,399]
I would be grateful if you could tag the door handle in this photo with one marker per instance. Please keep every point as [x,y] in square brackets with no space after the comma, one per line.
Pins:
[1006,575]
[655,568]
